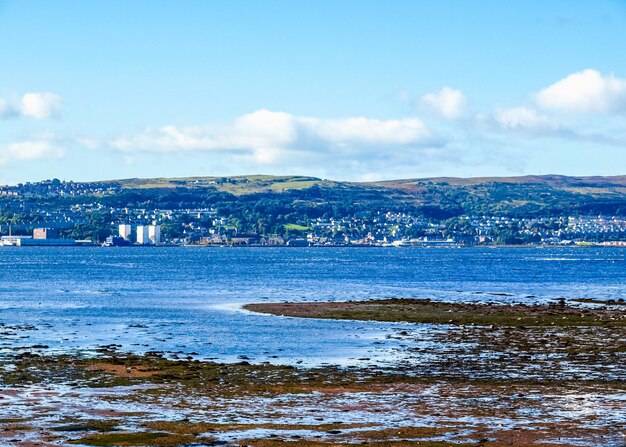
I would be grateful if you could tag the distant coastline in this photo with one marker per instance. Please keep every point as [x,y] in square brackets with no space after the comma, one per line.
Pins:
[261,210]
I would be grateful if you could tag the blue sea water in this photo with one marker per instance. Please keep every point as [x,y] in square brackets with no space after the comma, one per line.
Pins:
[186,300]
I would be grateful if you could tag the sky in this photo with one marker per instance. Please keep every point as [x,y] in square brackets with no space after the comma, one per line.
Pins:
[348,90]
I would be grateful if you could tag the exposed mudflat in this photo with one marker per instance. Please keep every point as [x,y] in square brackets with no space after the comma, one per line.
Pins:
[483,379]
[559,313]
[125,400]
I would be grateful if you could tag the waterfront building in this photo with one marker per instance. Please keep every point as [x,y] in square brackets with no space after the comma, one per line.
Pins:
[45,233]
[125,231]
[154,234]
[143,237]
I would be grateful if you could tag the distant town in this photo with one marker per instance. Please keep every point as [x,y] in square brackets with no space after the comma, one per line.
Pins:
[60,213]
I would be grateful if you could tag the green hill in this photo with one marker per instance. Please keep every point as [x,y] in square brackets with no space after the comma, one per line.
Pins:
[434,197]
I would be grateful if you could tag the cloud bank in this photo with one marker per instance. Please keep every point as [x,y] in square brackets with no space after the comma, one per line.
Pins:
[372,148]
[279,142]
[266,135]
[582,110]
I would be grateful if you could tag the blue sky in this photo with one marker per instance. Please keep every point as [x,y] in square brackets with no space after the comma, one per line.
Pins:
[350,90]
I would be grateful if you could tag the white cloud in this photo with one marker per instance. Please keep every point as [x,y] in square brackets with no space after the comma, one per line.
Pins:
[521,118]
[41,105]
[448,102]
[32,150]
[286,143]
[267,134]
[585,91]
[368,131]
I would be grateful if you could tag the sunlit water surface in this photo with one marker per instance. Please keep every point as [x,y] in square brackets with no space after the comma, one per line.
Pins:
[186,300]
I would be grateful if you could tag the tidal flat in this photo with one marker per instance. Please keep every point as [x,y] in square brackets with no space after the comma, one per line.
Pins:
[560,312]
[485,378]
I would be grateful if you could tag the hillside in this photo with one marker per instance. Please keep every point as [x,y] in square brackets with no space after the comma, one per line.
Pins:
[552,180]
[516,196]
[439,198]
[548,195]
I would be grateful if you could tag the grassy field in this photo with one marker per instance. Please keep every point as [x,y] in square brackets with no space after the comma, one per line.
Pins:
[237,185]
[296,227]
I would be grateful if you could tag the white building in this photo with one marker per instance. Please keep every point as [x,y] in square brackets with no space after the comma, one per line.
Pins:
[125,231]
[154,234]
[143,237]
